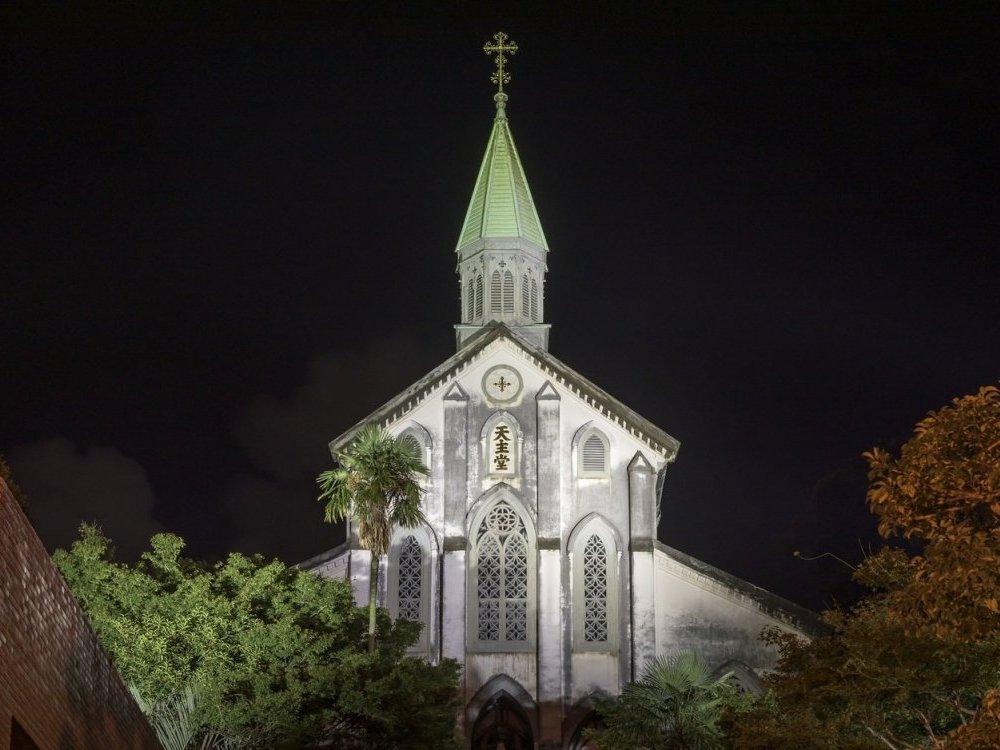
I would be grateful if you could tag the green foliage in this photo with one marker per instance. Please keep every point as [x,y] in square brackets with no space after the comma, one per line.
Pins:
[916,664]
[675,705]
[176,722]
[275,654]
[375,484]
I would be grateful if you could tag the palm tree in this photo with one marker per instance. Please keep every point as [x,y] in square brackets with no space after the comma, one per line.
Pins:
[675,705]
[176,723]
[375,484]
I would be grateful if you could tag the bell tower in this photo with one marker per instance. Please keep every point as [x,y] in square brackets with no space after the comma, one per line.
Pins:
[502,249]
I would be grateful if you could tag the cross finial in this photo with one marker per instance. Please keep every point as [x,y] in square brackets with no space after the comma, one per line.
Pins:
[500,45]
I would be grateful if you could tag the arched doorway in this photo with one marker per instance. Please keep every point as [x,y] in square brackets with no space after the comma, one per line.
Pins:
[502,725]
[578,740]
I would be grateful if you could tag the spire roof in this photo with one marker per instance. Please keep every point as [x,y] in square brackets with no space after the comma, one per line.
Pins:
[501,204]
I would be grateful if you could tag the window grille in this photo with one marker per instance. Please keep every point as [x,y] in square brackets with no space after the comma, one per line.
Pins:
[508,292]
[525,304]
[502,576]
[495,293]
[595,590]
[534,300]
[479,296]
[594,457]
[410,584]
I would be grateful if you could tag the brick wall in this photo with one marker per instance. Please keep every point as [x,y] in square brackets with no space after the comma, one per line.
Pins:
[56,682]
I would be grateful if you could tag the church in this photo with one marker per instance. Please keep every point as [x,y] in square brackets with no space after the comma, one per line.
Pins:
[539,569]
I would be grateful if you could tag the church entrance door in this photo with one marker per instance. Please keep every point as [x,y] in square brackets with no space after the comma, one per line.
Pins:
[502,725]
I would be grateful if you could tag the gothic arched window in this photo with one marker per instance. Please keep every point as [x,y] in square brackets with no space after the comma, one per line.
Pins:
[479,296]
[595,590]
[593,459]
[495,293]
[534,300]
[502,577]
[595,585]
[410,580]
[470,300]
[508,292]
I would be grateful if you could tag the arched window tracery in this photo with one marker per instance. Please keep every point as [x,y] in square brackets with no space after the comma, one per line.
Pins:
[410,582]
[502,570]
[594,551]
[595,590]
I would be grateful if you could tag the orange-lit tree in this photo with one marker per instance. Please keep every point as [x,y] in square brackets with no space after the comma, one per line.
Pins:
[916,664]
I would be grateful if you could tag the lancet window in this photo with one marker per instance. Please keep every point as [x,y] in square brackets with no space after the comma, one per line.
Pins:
[595,590]
[410,588]
[495,293]
[595,586]
[502,570]
[479,296]
[410,580]
[508,292]
[534,300]
[470,299]
[593,455]
[525,297]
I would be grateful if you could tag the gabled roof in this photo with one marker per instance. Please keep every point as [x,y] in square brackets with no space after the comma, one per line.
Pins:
[501,203]
[770,604]
[644,430]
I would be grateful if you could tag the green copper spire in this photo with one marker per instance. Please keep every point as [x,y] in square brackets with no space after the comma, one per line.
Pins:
[501,204]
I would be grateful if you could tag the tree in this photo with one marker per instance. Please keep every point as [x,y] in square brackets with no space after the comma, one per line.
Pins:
[944,492]
[916,663]
[277,655]
[176,722]
[675,705]
[375,485]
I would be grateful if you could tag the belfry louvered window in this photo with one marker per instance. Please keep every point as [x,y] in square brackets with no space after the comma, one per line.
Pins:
[502,566]
[508,292]
[470,300]
[534,300]
[593,456]
[479,296]
[595,590]
[410,584]
[495,293]
[525,298]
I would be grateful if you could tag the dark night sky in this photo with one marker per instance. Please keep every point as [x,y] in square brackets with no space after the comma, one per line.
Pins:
[226,237]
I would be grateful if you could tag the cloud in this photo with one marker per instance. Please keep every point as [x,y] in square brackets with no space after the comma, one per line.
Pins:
[287,436]
[66,485]
[277,519]
[274,510]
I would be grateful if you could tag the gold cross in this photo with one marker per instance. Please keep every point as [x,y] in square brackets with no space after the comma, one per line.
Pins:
[499,45]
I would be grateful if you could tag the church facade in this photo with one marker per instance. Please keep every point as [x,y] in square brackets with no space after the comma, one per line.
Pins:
[539,567]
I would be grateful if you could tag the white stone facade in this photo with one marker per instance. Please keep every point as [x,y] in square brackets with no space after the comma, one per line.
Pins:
[590,596]
[539,568]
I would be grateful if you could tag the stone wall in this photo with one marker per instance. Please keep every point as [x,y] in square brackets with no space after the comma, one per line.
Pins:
[57,685]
